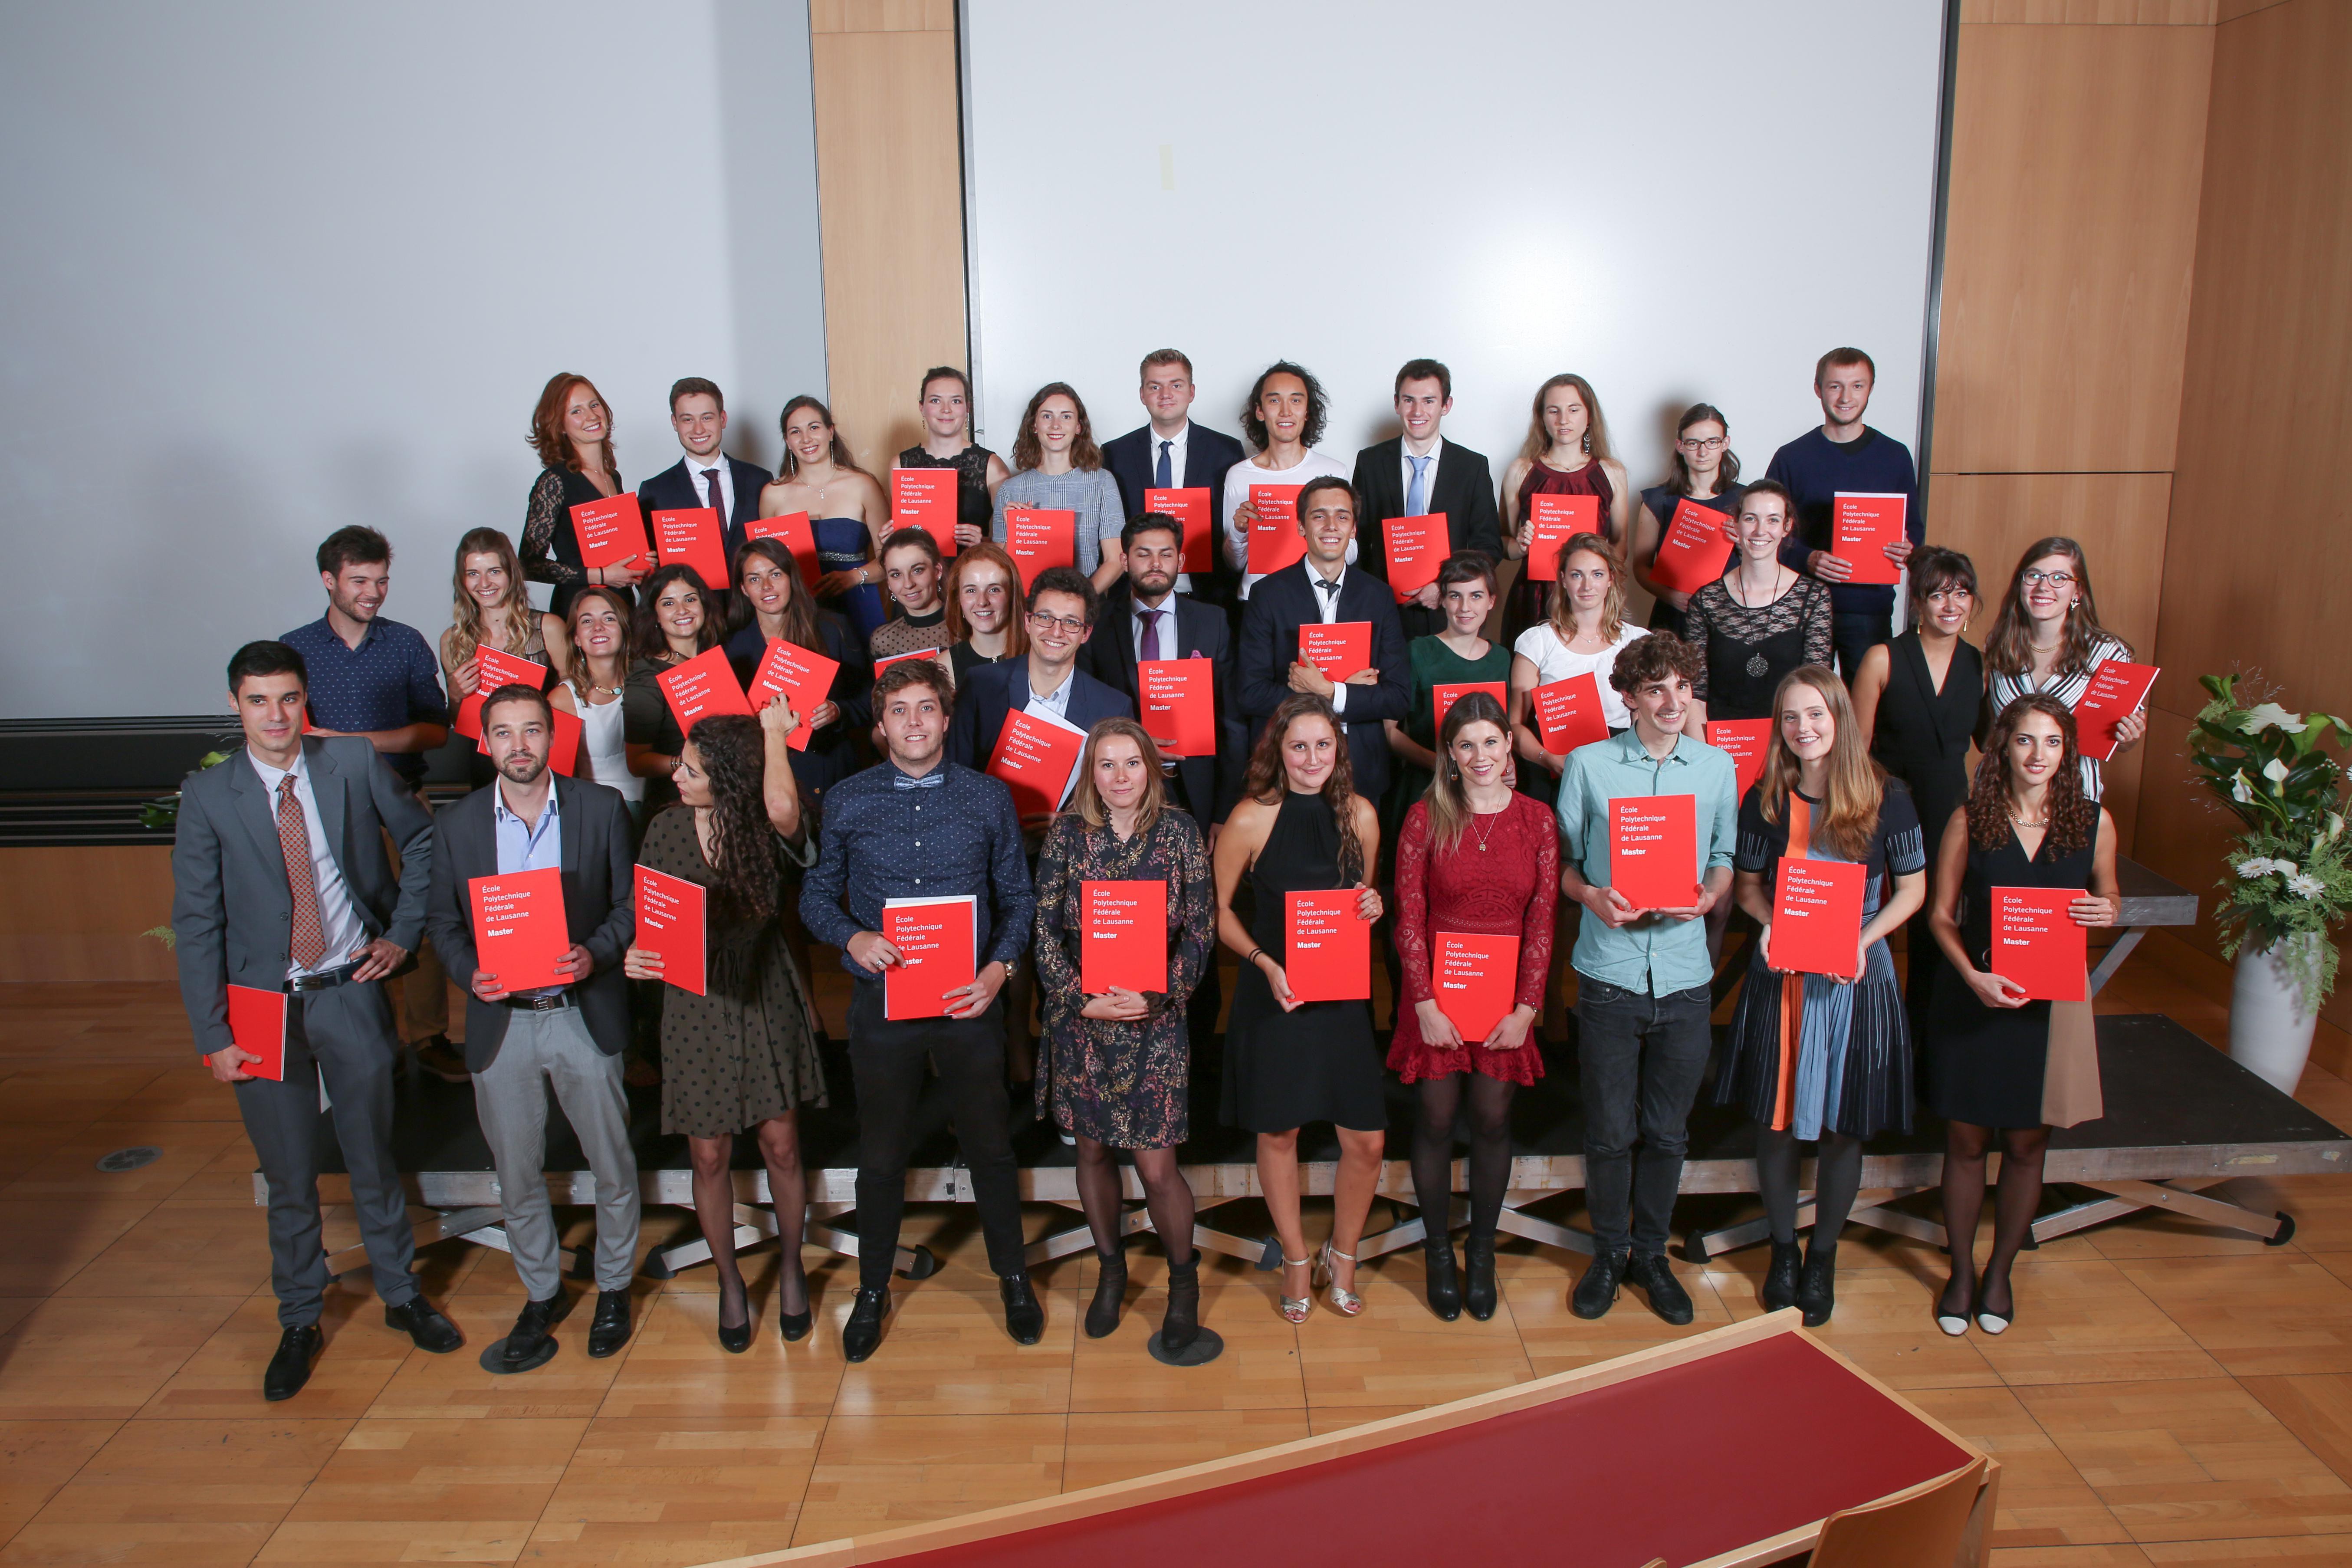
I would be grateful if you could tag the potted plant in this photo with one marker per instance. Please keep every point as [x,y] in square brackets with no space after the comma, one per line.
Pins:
[2289,880]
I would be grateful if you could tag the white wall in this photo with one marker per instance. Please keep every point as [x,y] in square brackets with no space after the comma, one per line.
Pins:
[1680,201]
[276,268]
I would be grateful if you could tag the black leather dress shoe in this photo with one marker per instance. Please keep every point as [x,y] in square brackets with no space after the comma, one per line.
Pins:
[535,1324]
[422,1323]
[290,1369]
[1657,1281]
[1025,1319]
[610,1330]
[864,1330]
[1479,1297]
[1597,1291]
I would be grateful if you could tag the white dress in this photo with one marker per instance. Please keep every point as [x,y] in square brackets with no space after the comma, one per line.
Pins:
[608,758]
[1540,646]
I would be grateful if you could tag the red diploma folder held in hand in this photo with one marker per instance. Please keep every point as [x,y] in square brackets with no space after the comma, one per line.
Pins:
[1417,548]
[1037,537]
[1275,540]
[1036,758]
[1863,524]
[257,1025]
[925,499]
[1817,916]
[1744,740]
[1443,698]
[1124,939]
[2037,945]
[1694,551]
[611,531]
[1330,948]
[1339,649]
[700,686]
[519,928]
[1189,507]
[1555,519]
[1180,705]
[1567,714]
[1654,851]
[938,655]
[2116,690]
[801,677]
[937,940]
[494,668]
[1474,978]
[564,746]
[691,535]
[792,530]
[670,925]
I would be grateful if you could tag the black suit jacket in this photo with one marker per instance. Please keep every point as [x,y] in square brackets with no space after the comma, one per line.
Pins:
[1207,457]
[1277,607]
[997,691]
[1211,784]
[599,880]
[674,490]
[1465,492]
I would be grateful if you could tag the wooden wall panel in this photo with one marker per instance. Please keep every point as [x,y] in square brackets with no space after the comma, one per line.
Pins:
[2106,12]
[2076,156]
[76,913]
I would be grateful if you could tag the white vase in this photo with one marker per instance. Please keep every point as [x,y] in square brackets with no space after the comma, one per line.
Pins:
[2270,1032]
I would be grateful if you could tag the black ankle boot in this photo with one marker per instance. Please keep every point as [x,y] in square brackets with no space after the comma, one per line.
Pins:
[1182,1325]
[1780,1278]
[1817,1287]
[1110,1293]
[1478,1295]
[1444,1283]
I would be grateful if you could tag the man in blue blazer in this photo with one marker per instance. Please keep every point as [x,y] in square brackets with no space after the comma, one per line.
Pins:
[1063,606]
[1324,588]
[1173,453]
[706,475]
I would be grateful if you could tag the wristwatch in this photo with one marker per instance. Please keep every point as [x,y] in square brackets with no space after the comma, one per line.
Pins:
[1012,968]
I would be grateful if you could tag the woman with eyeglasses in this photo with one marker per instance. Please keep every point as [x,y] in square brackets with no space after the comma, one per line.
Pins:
[1705,472]
[2047,639]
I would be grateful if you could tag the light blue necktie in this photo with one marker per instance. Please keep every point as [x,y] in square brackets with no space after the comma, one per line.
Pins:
[1159,477]
[1417,495]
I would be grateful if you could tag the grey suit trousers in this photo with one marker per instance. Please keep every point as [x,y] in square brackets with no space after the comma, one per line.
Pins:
[544,1050]
[346,1037]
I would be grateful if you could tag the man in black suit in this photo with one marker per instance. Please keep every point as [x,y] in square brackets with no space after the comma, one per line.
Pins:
[1420,472]
[568,1035]
[1322,587]
[1173,453]
[1047,684]
[707,477]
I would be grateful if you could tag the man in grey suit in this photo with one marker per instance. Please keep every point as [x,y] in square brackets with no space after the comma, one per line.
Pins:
[568,1035]
[280,882]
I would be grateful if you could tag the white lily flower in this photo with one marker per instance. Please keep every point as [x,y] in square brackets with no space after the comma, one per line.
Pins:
[2275,770]
[2240,791]
[2270,715]
[2255,866]
[2309,886]
[2284,867]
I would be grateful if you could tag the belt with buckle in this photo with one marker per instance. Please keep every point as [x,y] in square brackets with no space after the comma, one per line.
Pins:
[326,981]
[539,1004]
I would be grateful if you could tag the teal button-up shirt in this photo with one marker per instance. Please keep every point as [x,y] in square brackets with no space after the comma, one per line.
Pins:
[1653,955]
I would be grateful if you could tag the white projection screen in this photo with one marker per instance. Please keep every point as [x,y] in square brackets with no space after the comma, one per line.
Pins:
[1682,202]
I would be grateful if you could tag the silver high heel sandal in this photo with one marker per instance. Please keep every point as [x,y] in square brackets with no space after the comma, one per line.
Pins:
[1294,1308]
[1346,1303]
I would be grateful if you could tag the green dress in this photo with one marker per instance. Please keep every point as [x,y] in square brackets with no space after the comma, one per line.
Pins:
[1436,665]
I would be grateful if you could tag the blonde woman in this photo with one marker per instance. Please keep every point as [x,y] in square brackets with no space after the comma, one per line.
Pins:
[491,608]
[1581,636]
[1565,453]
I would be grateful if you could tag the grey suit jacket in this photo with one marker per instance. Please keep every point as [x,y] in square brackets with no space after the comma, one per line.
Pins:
[232,912]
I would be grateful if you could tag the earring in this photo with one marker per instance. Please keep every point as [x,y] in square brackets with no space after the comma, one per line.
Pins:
[1588,440]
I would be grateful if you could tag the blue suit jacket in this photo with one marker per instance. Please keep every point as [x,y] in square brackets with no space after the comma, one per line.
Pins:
[995,690]
[1277,607]
[1207,457]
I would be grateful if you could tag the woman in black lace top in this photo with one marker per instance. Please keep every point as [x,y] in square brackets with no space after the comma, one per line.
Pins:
[947,444]
[1760,620]
[572,431]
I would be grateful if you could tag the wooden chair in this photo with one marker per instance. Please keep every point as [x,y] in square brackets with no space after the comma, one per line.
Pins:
[1918,1528]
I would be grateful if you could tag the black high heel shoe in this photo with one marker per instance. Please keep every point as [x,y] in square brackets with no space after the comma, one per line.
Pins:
[737,1339]
[796,1326]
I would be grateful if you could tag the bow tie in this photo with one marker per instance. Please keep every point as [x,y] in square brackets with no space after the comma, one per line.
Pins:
[931,780]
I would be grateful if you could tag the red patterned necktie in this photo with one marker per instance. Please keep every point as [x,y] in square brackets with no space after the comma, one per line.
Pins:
[294,841]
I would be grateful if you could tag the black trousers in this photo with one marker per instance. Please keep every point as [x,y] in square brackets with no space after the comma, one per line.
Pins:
[887,1059]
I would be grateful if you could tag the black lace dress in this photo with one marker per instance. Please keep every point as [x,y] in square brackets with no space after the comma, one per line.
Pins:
[1744,651]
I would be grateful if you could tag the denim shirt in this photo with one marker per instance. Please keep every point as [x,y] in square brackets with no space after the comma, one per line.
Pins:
[1653,955]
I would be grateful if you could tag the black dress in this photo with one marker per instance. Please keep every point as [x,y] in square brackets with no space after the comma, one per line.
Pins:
[1922,738]
[549,552]
[1987,1065]
[1319,1063]
[831,755]
[975,507]
[1745,650]
[1661,500]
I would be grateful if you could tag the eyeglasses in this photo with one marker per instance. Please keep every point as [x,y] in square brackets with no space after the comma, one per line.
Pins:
[1070,625]
[1712,444]
[2056,579]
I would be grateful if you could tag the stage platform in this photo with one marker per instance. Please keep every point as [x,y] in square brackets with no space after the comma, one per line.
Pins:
[2181,1117]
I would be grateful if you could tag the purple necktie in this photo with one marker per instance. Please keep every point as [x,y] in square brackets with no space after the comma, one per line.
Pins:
[718,496]
[1151,632]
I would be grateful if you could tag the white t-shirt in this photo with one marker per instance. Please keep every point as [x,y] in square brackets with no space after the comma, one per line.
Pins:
[1316,465]
[1540,646]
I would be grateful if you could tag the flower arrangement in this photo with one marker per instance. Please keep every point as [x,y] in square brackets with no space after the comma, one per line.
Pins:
[164,812]
[2290,876]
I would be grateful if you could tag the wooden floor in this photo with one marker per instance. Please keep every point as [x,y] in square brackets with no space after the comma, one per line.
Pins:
[2169,1395]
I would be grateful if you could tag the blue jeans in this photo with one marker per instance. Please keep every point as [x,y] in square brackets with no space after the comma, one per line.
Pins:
[1640,1058]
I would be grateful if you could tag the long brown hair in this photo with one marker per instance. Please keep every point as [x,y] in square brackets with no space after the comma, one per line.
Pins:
[547,436]
[2008,650]
[1087,802]
[1028,451]
[987,553]
[1267,781]
[1678,474]
[1596,428]
[1612,604]
[789,466]
[1847,818]
[646,638]
[801,628]
[743,867]
[466,611]
[575,669]
[2074,816]
[1449,804]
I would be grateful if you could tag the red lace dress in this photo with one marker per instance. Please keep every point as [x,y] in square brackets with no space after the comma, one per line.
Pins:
[1508,888]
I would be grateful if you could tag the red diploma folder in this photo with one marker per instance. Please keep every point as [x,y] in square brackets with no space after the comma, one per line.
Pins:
[791,528]
[1275,540]
[700,686]
[1557,518]
[1180,705]
[692,535]
[801,677]
[937,940]
[2115,691]
[519,928]
[1337,649]
[1474,979]
[1694,551]
[1036,758]
[938,655]
[1443,698]
[1189,507]
[257,1025]
[1567,714]
[2037,944]
[1037,537]
[1746,741]
[563,747]
[925,499]
[610,532]
[1124,939]
[495,668]
[670,916]
[1863,524]
[1331,947]
[1817,916]
[1417,548]
[1654,851]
